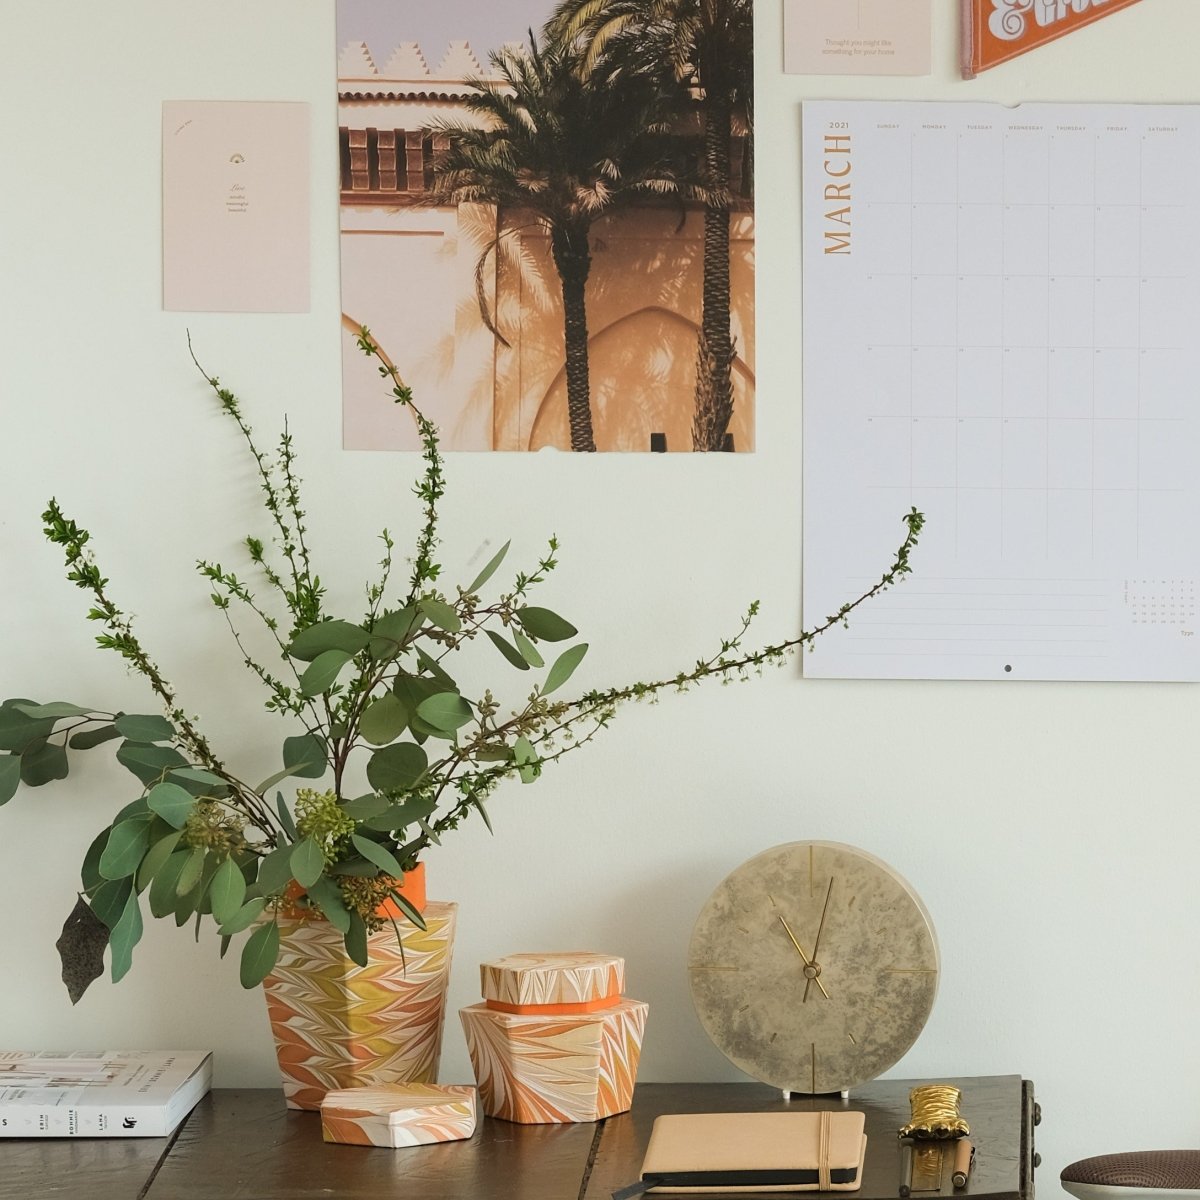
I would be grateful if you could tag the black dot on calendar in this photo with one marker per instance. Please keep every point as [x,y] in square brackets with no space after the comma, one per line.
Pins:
[1008,668]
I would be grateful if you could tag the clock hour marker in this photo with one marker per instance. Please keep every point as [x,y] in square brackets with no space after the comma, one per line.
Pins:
[712,967]
[814,1068]
[910,970]
[851,1037]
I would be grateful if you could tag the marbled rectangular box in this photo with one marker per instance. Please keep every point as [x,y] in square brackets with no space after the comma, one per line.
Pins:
[410,1114]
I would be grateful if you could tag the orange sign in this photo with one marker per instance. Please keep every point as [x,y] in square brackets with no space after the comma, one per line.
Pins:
[993,31]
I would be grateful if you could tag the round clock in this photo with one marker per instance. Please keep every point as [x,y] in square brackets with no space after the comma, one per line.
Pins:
[813,967]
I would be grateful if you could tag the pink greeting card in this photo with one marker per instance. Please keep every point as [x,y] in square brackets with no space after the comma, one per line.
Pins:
[857,37]
[235,206]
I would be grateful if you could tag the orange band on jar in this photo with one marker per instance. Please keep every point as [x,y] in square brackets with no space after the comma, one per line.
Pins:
[555,1010]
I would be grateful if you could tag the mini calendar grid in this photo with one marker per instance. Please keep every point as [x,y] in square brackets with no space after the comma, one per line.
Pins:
[1002,309]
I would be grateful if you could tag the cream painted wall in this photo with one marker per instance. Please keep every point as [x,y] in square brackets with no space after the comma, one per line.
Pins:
[1052,829]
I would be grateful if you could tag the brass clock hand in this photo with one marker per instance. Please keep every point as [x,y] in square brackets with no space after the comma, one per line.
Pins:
[820,930]
[808,965]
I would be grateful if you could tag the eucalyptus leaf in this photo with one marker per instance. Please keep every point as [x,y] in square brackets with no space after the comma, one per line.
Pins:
[125,935]
[358,867]
[275,870]
[156,858]
[193,870]
[564,668]
[10,776]
[203,900]
[447,711]
[545,625]
[526,758]
[148,762]
[200,782]
[384,720]
[90,871]
[110,899]
[163,895]
[144,729]
[126,846]
[259,955]
[328,897]
[43,762]
[356,940]
[431,667]
[323,671]
[226,892]
[53,711]
[528,650]
[509,651]
[305,756]
[390,631]
[365,807]
[490,569]
[309,644]
[412,690]
[439,613]
[285,817]
[81,947]
[307,863]
[171,802]
[135,808]
[483,812]
[244,917]
[397,767]
[406,907]
[17,730]
[87,739]
[381,856]
[397,816]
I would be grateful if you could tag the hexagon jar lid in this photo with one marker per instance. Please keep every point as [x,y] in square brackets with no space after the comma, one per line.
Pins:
[553,983]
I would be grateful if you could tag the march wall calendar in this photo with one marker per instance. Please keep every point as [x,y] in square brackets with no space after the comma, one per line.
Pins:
[1002,329]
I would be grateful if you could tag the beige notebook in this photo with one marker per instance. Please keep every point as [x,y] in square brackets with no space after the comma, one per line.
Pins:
[753,1152]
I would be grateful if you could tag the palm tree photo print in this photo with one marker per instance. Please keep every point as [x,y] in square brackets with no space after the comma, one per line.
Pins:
[547,222]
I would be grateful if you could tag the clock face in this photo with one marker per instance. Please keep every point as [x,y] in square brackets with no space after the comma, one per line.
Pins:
[813,966]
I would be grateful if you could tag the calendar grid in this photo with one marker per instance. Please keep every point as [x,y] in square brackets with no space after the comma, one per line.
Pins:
[1001,321]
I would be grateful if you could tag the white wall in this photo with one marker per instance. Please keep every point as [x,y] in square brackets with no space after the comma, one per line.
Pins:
[1051,828]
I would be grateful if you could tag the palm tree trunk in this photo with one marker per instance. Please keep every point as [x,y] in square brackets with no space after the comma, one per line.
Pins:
[573,260]
[715,351]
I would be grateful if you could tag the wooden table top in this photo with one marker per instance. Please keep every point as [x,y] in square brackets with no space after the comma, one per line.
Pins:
[245,1145]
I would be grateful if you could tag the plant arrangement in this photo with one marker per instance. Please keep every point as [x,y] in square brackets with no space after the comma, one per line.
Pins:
[389,753]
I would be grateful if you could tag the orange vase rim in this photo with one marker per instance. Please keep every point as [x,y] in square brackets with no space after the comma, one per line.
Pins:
[411,886]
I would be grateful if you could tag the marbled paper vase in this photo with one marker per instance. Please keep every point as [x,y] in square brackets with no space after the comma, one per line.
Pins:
[554,1039]
[338,1025]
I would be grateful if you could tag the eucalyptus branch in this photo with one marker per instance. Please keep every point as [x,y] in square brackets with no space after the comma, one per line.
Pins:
[721,664]
[85,574]
[376,591]
[304,599]
[283,697]
[432,485]
[287,460]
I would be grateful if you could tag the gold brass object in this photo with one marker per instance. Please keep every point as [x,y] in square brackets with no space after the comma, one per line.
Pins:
[935,1113]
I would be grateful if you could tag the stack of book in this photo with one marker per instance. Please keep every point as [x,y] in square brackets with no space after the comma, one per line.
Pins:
[110,1093]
